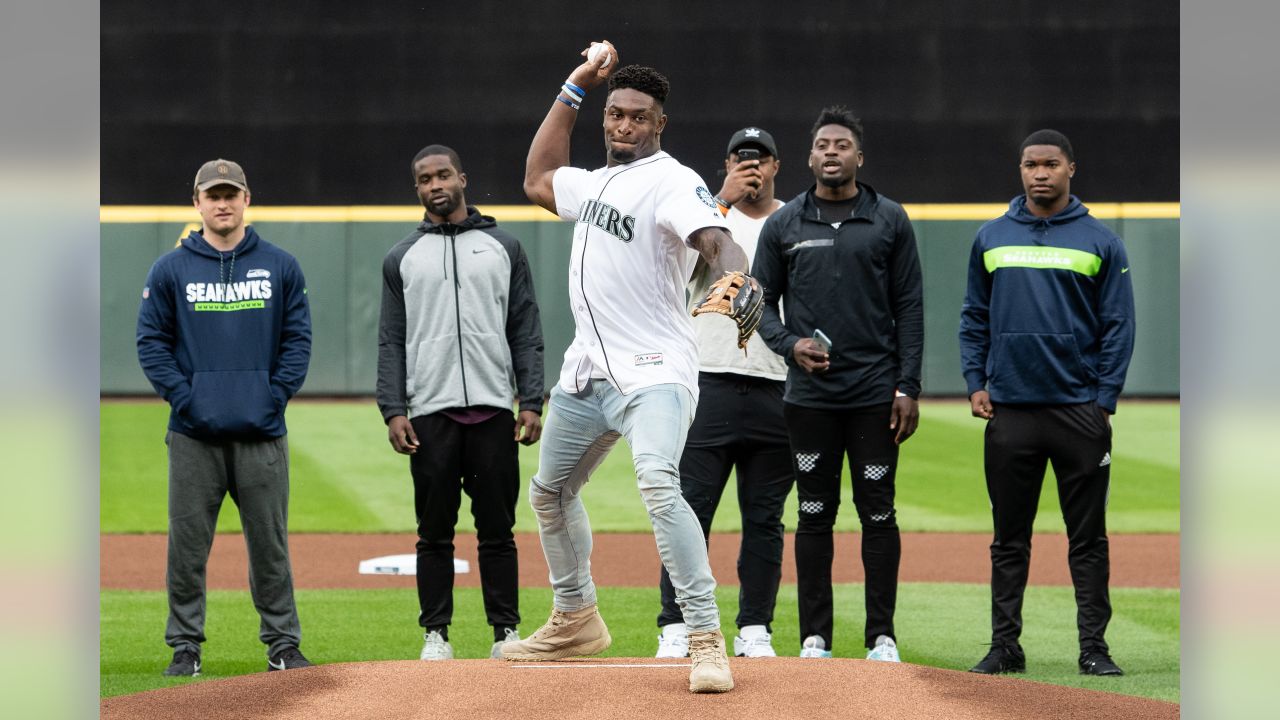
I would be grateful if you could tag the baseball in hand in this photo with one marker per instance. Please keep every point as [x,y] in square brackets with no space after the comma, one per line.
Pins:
[594,52]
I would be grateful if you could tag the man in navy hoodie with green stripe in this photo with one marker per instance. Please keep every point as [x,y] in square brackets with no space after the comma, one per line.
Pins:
[1046,334]
[224,335]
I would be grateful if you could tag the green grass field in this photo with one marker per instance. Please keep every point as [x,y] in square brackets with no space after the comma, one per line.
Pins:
[346,478]
[938,625]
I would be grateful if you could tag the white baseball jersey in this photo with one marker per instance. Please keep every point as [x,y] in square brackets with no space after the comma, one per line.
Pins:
[717,335]
[628,270]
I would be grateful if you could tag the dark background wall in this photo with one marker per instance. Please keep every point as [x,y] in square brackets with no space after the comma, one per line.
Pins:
[325,103]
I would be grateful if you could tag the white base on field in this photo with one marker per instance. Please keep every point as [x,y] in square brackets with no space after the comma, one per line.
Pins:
[403,565]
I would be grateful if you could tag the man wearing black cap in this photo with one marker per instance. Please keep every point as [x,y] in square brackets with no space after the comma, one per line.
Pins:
[738,421]
[224,336]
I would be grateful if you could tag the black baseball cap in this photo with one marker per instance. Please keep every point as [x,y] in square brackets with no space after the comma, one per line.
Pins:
[221,172]
[752,136]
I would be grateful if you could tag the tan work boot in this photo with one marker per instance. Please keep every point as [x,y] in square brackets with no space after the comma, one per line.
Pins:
[710,672]
[566,634]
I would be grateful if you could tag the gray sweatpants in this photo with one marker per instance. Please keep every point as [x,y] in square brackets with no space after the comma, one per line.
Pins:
[256,474]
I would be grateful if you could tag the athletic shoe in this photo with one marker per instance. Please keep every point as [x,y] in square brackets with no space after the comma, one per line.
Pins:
[186,663]
[673,642]
[814,647]
[753,641]
[565,634]
[885,650]
[288,659]
[710,672]
[1098,662]
[1002,659]
[435,647]
[508,635]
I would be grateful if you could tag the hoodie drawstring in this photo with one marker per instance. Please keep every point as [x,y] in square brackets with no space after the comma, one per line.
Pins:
[453,245]
[230,275]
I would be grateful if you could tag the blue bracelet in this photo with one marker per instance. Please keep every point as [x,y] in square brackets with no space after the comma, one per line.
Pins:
[566,102]
[576,97]
[575,88]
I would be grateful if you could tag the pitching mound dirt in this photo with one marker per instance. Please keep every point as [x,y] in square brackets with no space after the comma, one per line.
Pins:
[596,689]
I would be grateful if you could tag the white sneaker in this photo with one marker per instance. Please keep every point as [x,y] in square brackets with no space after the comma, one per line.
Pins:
[753,641]
[885,650]
[508,635]
[436,647]
[814,647]
[674,641]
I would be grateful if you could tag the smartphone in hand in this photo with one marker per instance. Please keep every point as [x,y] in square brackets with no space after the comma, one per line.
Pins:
[824,342]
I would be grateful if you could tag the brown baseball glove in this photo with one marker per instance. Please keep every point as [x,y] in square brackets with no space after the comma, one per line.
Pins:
[738,296]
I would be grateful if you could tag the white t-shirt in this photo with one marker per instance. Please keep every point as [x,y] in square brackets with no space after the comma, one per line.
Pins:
[717,335]
[628,270]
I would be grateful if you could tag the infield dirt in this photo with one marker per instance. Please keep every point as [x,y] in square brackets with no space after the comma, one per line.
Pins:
[137,562]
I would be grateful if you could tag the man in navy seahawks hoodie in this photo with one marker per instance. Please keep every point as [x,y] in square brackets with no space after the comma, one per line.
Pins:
[1046,334]
[224,335]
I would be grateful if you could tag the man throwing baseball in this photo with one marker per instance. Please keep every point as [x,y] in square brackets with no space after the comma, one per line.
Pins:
[632,370]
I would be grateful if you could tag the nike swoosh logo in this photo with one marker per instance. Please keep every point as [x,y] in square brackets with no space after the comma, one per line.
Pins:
[1124,270]
[196,670]
[274,665]
[477,252]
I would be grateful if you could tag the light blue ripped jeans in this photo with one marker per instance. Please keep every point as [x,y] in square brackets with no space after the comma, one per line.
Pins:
[579,432]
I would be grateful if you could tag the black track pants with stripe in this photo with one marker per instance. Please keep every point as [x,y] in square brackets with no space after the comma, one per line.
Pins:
[1020,441]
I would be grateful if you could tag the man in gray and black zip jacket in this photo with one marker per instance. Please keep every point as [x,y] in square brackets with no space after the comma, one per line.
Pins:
[460,341]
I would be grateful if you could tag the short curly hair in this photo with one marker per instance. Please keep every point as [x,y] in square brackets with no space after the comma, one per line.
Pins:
[436,150]
[645,79]
[839,115]
[1049,137]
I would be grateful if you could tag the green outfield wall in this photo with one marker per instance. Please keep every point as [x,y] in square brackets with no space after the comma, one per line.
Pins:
[341,251]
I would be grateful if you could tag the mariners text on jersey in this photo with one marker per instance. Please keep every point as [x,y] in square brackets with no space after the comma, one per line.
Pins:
[608,218]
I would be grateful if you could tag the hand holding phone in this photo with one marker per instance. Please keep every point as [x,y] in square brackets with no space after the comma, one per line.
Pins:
[748,169]
[813,354]
[823,341]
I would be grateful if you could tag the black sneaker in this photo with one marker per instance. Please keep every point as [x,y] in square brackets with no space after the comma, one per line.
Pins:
[288,659]
[186,663]
[1002,659]
[1098,662]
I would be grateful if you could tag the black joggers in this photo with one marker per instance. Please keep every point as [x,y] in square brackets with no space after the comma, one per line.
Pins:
[480,460]
[1020,440]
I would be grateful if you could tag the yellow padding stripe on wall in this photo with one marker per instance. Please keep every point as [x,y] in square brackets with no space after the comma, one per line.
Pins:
[533,213]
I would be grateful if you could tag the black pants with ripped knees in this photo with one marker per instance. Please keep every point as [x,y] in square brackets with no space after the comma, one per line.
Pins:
[480,460]
[1020,441]
[820,440]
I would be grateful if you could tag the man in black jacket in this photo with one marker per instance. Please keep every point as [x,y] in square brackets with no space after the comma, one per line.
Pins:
[844,258]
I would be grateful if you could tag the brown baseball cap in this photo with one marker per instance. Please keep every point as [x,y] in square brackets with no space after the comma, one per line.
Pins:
[221,172]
